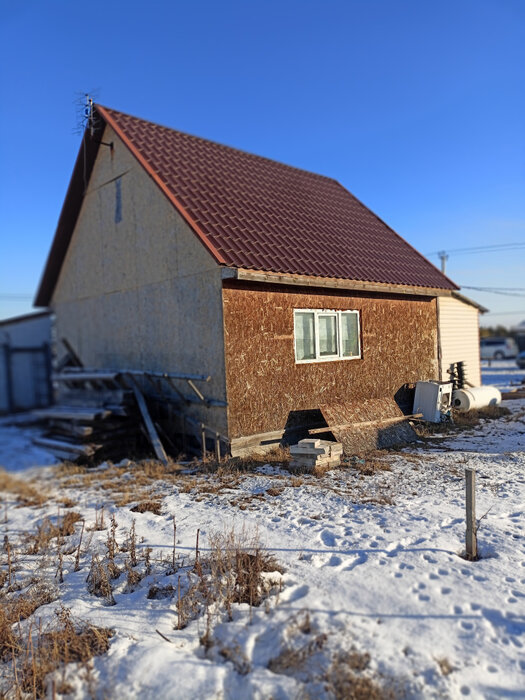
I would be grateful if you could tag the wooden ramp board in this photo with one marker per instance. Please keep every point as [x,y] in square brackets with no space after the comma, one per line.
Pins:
[369,424]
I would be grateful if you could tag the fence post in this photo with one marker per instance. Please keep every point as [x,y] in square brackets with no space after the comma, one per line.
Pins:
[48,359]
[9,377]
[203,440]
[471,538]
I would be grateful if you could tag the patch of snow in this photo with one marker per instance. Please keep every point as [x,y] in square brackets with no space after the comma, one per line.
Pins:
[372,564]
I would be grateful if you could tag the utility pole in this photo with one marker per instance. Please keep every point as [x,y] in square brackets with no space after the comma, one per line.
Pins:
[443,257]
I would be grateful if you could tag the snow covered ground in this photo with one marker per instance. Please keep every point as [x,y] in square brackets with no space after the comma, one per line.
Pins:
[373,572]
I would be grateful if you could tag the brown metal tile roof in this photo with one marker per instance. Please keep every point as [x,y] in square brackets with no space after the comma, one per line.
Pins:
[256,213]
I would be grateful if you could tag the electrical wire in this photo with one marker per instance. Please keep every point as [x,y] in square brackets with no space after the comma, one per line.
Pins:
[16,297]
[497,290]
[518,245]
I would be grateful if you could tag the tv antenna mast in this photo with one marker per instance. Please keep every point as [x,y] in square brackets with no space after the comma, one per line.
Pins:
[86,115]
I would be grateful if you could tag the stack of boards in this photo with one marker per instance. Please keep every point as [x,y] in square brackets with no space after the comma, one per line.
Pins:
[81,429]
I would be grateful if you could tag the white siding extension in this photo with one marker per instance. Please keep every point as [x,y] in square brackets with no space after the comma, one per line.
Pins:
[459,337]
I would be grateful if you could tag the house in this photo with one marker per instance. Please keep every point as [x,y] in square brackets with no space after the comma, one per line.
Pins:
[25,362]
[174,253]
[458,324]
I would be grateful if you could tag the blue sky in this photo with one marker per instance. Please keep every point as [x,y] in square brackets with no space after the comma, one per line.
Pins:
[418,108]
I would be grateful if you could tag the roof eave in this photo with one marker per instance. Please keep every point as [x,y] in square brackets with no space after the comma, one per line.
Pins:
[68,218]
[294,280]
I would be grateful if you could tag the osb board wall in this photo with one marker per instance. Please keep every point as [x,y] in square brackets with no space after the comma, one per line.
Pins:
[137,289]
[264,384]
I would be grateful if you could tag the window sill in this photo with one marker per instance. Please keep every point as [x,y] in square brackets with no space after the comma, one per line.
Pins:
[326,359]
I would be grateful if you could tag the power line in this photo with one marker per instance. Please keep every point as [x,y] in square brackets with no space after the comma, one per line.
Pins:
[498,290]
[518,245]
[16,297]
[504,313]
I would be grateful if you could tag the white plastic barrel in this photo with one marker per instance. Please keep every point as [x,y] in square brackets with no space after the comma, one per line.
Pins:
[475,397]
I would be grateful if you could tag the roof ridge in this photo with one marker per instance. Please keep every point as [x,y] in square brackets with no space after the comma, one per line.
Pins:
[223,145]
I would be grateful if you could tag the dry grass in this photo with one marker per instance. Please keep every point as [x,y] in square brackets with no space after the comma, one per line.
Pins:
[445,666]
[472,418]
[291,660]
[368,465]
[15,608]
[157,592]
[460,421]
[236,564]
[236,570]
[276,456]
[344,680]
[98,581]
[47,530]
[38,653]
[147,507]
[25,494]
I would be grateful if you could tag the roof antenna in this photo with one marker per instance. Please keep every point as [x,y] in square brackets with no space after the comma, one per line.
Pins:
[88,115]
[89,121]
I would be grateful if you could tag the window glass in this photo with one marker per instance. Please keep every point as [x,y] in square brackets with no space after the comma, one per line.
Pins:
[305,335]
[327,335]
[350,335]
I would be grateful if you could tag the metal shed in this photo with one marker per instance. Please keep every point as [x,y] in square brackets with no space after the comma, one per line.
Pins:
[25,362]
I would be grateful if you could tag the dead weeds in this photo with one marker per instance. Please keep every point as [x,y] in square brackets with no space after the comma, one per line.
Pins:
[38,653]
[24,492]
[344,681]
[47,530]
[147,507]
[460,421]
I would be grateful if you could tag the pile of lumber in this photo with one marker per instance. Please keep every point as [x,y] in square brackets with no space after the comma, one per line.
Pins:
[86,426]
[311,453]
[105,414]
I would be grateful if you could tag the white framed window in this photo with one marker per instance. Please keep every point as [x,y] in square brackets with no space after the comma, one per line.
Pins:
[321,335]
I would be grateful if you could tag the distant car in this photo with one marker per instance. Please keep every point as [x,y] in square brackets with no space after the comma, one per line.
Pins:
[520,360]
[498,348]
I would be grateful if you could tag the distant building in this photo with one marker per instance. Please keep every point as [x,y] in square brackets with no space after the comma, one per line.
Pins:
[25,362]
[519,330]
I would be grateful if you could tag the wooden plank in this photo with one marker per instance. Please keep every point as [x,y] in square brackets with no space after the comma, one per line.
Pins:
[197,391]
[153,435]
[69,428]
[75,358]
[333,283]
[364,424]
[86,450]
[72,413]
